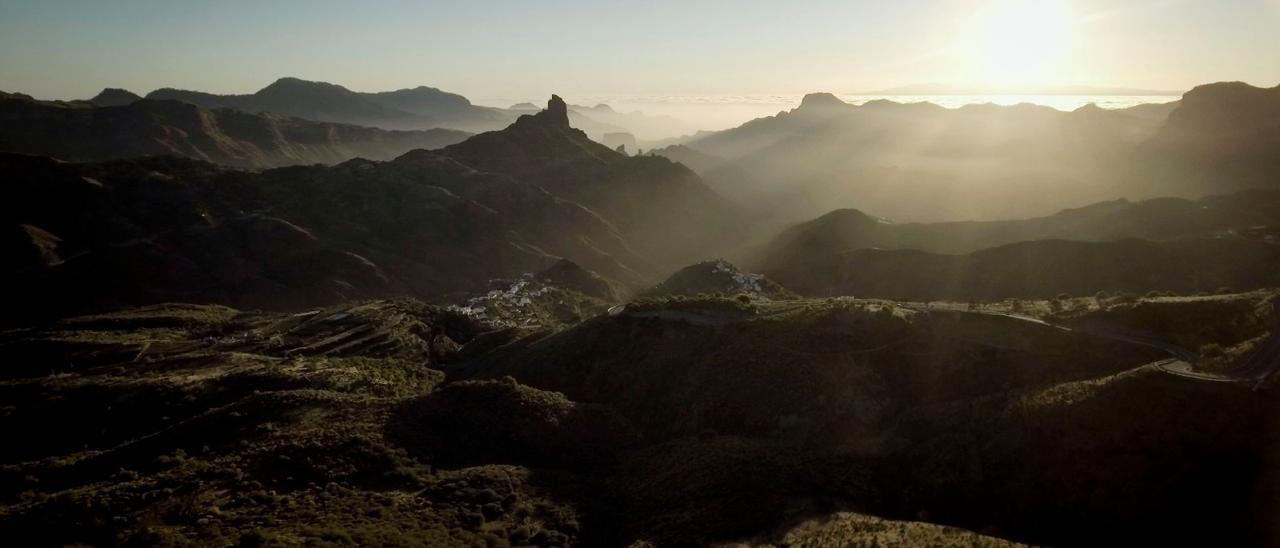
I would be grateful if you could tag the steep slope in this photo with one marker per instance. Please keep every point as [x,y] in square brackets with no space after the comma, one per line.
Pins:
[98,236]
[643,126]
[921,161]
[1231,215]
[961,419]
[115,97]
[718,277]
[310,100]
[664,209]
[73,131]
[1221,137]
[1038,269]
[179,424]
[417,108]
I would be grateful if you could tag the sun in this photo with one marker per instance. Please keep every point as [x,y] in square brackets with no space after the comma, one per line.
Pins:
[1020,42]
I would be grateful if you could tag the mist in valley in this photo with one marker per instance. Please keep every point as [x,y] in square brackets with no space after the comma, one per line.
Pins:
[995,273]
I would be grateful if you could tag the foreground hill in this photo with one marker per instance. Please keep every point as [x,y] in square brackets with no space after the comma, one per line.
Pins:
[202,424]
[967,419]
[88,237]
[119,129]
[718,277]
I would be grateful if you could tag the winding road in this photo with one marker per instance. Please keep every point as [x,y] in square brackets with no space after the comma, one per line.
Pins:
[1259,365]
[1254,370]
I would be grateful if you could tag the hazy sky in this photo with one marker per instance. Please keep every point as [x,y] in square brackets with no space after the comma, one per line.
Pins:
[71,49]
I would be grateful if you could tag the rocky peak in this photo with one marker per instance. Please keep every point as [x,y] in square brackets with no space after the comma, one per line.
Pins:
[821,100]
[557,112]
[113,97]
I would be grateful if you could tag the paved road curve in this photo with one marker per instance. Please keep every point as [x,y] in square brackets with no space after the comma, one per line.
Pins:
[1255,369]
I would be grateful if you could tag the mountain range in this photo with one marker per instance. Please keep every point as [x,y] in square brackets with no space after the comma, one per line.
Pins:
[436,224]
[922,162]
[523,337]
[951,89]
[416,108]
[112,126]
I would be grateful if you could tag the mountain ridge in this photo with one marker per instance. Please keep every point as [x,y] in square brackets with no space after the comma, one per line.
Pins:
[146,127]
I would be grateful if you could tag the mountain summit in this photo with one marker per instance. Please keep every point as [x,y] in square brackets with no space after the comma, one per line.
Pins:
[114,97]
[557,111]
[821,100]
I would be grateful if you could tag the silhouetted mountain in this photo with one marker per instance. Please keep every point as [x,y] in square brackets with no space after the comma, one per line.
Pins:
[418,108]
[1221,137]
[1039,269]
[436,224]
[718,277]
[569,275]
[408,109]
[424,100]
[921,161]
[115,97]
[1157,219]
[78,132]
[645,127]
[813,101]
[697,161]
[1162,244]
[664,209]
[1225,118]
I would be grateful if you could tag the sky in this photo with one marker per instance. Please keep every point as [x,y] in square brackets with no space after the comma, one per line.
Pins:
[64,49]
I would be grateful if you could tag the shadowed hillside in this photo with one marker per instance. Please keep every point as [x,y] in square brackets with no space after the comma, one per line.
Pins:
[121,129]
[1038,269]
[88,237]
[788,420]
[417,108]
[666,211]
[922,162]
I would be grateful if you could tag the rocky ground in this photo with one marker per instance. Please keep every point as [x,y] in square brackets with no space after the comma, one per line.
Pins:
[763,423]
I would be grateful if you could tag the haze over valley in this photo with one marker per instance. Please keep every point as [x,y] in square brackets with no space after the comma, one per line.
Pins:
[992,273]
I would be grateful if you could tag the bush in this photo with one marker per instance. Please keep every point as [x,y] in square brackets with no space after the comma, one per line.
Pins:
[1212,351]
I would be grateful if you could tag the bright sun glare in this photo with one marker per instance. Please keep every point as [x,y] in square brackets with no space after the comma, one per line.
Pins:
[1018,42]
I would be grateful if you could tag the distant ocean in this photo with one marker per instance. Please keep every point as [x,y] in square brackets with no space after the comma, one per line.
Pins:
[724,111]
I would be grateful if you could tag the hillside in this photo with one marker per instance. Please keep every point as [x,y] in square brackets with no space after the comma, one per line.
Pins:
[1037,269]
[718,277]
[1221,137]
[666,211]
[114,97]
[420,108]
[416,108]
[921,162]
[1235,215]
[432,224]
[119,129]
[851,400]
[340,425]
